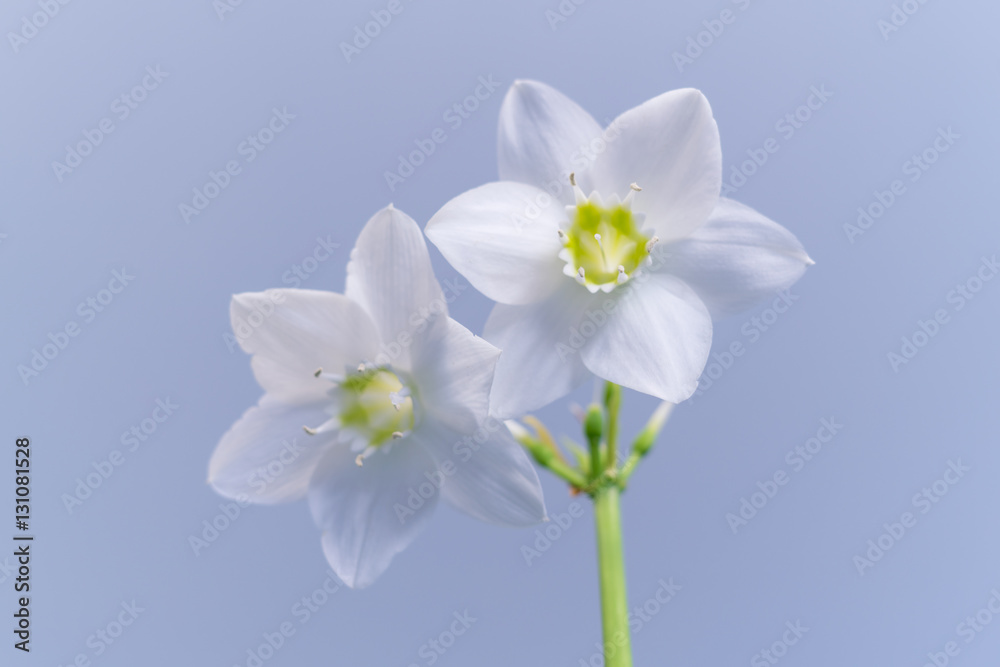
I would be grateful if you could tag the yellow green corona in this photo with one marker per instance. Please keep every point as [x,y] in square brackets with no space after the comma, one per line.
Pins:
[603,246]
[376,405]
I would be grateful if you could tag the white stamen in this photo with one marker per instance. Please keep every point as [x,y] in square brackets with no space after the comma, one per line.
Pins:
[328,425]
[397,435]
[581,276]
[360,458]
[562,235]
[361,368]
[398,397]
[633,188]
[597,237]
[622,276]
[580,197]
[652,242]
[330,377]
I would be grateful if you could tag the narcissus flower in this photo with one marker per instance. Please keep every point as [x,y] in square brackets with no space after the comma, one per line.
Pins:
[622,282]
[376,403]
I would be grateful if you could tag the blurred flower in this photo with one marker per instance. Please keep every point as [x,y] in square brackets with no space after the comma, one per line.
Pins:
[393,397]
[623,282]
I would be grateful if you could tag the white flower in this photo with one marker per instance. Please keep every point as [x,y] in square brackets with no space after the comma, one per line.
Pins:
[393,396]
[623,282]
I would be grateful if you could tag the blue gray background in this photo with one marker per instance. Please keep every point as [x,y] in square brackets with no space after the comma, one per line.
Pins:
[162,337]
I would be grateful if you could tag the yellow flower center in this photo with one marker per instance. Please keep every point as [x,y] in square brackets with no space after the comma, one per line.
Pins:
[604,245]
[376,405]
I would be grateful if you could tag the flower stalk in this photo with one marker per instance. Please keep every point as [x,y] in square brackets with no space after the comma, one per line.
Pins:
[611,569]
[598,474]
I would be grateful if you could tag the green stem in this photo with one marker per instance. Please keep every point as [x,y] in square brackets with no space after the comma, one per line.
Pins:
[613,402]
[611,565]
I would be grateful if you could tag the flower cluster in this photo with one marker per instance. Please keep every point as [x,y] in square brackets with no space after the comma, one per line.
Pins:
[622,227]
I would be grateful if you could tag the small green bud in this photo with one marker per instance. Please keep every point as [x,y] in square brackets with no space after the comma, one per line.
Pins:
[644,442]
[593,425]
[540,452]
[647,437]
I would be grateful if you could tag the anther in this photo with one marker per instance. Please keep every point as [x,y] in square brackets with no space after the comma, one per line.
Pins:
[652,242]
[577,192]
[581,276]
[360,458]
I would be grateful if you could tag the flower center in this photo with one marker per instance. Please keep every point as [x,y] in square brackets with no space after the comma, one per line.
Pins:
[603,245]
[374,407]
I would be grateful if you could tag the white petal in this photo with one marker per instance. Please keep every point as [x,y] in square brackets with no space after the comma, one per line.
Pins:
[363,510]
[504,238]
[737,258]
[266,455]
[669,145]
[390,275]
[540,359]
[292,332]
[454,372]
[655,341]
[486,473]
[542,136]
